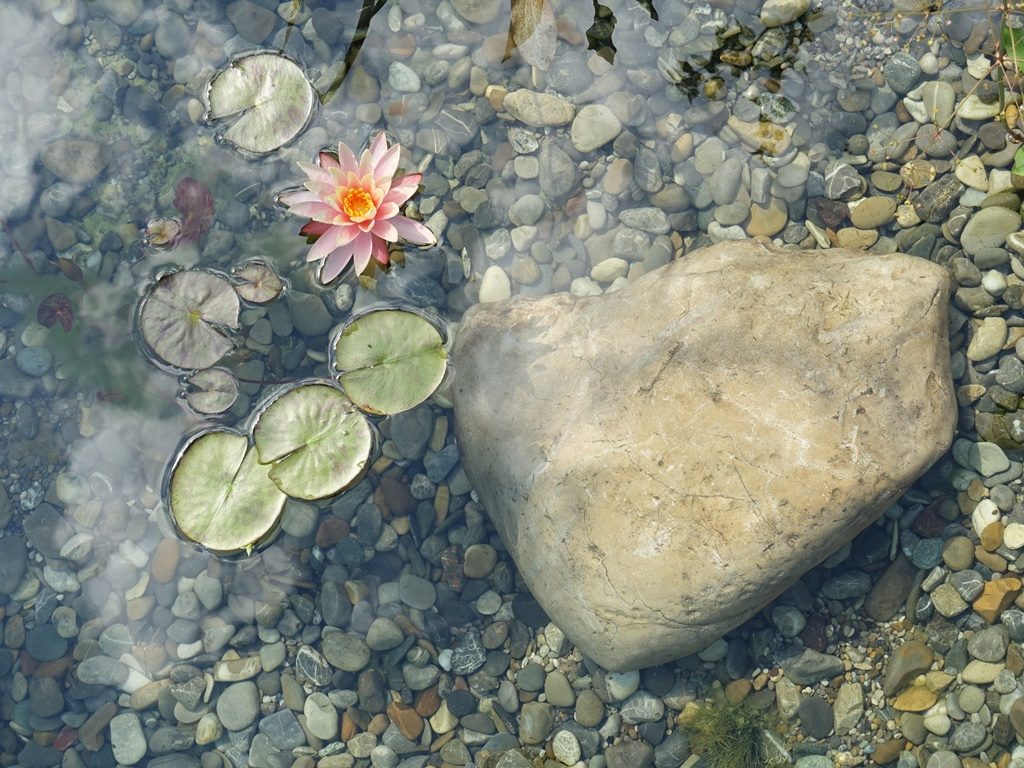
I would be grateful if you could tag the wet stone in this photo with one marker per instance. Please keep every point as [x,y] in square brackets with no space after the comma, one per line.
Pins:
[44,644]
[283,730]
[968,584]
[989,644]
[642,707]
[968,737]
[311,666]
[345,650]
[469,654]
[102,670]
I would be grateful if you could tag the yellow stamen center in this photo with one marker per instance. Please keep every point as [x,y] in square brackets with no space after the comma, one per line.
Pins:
[356,203]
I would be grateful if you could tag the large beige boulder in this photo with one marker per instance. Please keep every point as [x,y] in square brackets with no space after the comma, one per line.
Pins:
[663,461]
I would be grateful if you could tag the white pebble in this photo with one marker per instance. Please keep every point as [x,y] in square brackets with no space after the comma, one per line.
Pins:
[1013,536]
[994,282]
[494,285]
[984,515]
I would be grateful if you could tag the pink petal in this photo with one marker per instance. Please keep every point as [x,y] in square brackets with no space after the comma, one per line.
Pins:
[362,246]
[335,262]
[346,160]
[328,161]
[386,211]
[412,231]
[315,172]
[380,251]
[388,164]
[404,188]
[384,229]
[314,210]
[378,147]
[314,228]
[323,247]
[297,196]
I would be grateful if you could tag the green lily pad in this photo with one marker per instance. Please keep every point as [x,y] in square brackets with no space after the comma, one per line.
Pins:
[271,97]
[185,318]
[221,496]
[314,441]
[212,390]
[389,360]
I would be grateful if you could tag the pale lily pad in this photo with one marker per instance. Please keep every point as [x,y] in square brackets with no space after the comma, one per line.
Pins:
[271,97]
[261,284]
[314,441]
[533,31]
[389,360]
[221,496]
[186,316]
[212,390]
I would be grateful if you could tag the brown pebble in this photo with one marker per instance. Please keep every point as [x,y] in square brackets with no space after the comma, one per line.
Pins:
[888,751]
[331,531]
[737,690]
[992,536]
[997,596]
[165,560]
[405,717]
[348,726]
[397,496]
[1014,659]
[91,732]
[990,560]
[427,702]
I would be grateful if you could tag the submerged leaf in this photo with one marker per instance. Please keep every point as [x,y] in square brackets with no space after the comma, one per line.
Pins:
[220,496]
[1013,47]
[315,441]
[389,360]
[163,232]
[184,316]
[72,271]
[55,307]
[533,31]
[212,390]
[271,97]
[1018,162]
[192,199]
[261,283]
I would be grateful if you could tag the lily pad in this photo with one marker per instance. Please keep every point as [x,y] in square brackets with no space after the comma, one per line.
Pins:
[212,390]
[221,496]
[389,360]
[314,441]
[270,96]
[261,284]
[185,318]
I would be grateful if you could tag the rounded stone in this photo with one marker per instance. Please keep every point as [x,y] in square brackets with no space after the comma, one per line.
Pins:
[479,560]
[238,705]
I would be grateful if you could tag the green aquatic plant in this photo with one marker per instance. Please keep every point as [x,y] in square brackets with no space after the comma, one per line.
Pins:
[268,96]
[728,735]
[389,361]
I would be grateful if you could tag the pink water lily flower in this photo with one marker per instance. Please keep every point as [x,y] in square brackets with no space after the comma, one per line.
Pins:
[353,207]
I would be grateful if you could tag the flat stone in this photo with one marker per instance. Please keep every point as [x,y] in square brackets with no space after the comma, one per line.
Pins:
[988,228]
[738,414]
[13,559]
[75,160]
[127,740]
[538,109]
[906,662]
[889,593]
[593,127]
[238,705]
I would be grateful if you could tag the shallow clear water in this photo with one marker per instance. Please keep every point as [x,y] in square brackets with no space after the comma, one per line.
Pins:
[103,118]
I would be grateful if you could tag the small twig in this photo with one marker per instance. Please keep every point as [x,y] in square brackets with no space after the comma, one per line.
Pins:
[369,10]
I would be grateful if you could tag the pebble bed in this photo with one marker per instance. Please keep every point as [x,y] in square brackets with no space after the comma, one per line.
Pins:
[388,627]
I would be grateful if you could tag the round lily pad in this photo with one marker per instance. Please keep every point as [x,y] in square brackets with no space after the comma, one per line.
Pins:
[186,317]
[314,441]
[389,360]
[221,496]
[212,390]
[269,94]
[260,283]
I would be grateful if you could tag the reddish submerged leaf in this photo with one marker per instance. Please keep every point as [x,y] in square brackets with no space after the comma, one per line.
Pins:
[55,307]
[193,201]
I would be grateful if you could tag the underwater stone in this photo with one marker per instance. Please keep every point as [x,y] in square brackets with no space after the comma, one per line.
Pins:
[658,487]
